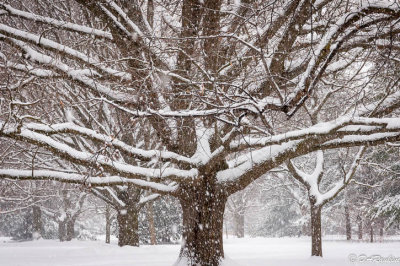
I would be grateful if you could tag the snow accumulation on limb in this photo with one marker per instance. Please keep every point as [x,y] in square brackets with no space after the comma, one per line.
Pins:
[37,72]
[85,180]
[334,134]
[120,19]
[311,179]
[148,198]
[86,158]
[54,22]
[387,105]
[266,35]
[113,195]
[122,14]
[93,135]
[67,51]
[329,45]
[249,161]
[342,126]
[34,71]
[247,106]
[203,150]
[322,198]
[100,192]
[359,140]
[81,76]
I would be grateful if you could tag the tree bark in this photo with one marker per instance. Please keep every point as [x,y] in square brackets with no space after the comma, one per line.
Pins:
[203,216]
[108,224]
[128,227]
[348,224]
[382,224]
[316,236]
[128,217]
[37,226]
[152,228]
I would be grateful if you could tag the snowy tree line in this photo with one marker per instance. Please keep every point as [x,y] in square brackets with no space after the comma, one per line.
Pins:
[31,210]
[132,101]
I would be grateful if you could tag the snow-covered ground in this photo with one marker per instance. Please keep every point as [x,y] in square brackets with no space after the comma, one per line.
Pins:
[245,252]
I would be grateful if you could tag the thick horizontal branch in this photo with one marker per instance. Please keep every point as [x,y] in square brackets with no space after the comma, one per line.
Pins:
[275,150]
[89,181]
[144,155]
[95,160]
[342,126]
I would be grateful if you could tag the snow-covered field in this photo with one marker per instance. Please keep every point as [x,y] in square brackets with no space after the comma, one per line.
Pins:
[245,252]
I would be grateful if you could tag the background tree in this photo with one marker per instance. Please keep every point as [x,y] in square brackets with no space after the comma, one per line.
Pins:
[64,210]
[127,201]
[167,218]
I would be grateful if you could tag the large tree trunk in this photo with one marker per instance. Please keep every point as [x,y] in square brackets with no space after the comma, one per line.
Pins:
[239,224]
[128,217]
[316,236]
[62,231]
[203,216]
[37,226]
[128,227]
[348,224]
[150,218]
[70,229]
[108,224]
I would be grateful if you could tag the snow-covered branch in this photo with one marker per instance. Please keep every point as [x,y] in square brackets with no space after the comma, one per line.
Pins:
[54,22]
[88,181]
[63,49]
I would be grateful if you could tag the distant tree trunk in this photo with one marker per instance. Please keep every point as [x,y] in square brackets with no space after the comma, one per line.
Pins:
[371,233]
[128,227]
[165,236]
[226,230]
[360,232]
[70,229]
[239,224]
[62,230]
[348,224]
[305,228]
[108,224]
[37,226]
[203,217]
[382,226]
[316,236]
[150,218]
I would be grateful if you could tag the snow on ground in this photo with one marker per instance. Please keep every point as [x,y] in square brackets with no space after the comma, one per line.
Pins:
[244,252]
